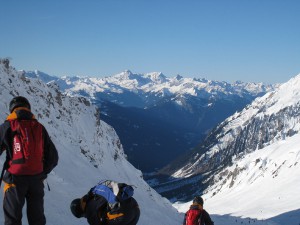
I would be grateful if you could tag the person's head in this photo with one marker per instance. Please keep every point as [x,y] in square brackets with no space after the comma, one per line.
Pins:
[76,208]
[198,200]
[19,101]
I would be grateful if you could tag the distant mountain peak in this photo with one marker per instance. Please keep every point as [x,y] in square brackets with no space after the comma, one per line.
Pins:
[157,77]
[178,77]
[126,74]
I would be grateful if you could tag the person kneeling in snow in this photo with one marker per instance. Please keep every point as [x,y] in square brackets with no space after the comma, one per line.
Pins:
[196,215]
[108,203]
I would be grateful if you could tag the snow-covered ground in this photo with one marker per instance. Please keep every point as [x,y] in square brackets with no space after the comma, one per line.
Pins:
[261,184]
[266,188]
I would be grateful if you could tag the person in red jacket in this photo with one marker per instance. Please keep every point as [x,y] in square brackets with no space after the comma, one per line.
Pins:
[30,156]
[196,215]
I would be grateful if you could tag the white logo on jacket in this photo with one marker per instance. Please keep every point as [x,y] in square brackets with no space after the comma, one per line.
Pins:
[17,146]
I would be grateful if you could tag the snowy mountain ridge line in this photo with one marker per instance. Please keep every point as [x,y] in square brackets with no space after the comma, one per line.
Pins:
[89,150]
[267,120]
[154,82]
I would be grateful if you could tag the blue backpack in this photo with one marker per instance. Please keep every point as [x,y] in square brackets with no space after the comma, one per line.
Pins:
[112,191]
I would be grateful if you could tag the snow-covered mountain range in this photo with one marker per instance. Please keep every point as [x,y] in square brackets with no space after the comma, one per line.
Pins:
[158,118]
[89,150]
[150,87]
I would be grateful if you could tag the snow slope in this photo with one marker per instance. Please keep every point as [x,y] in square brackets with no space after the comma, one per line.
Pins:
[268,119]
[266,188]
[262,183]
[89,150]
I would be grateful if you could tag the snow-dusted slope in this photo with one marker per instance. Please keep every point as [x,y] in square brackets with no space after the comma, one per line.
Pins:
[267,120]
[89,150]
[257,156]
[263,185]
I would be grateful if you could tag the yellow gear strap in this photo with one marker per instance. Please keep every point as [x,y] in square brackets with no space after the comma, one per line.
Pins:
[14,116]
[7,186]
[114,216]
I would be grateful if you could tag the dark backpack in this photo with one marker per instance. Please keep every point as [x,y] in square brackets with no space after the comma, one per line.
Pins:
[194,217]
[116,207]
[27,147]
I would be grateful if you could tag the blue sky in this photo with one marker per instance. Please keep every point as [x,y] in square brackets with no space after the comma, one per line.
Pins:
[247,40]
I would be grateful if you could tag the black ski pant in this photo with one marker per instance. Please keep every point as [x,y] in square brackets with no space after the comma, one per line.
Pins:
[24,188]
